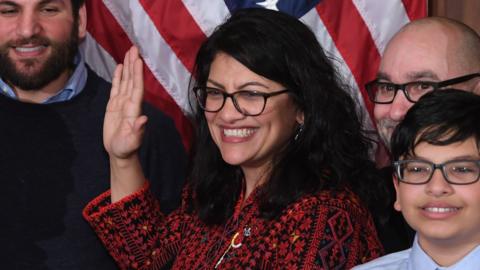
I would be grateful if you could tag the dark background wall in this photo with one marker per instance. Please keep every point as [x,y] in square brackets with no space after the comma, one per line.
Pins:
[466,11]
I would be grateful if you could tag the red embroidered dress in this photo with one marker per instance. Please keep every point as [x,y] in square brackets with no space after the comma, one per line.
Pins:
[321,231]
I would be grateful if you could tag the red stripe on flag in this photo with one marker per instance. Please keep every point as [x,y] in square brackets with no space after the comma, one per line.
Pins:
[158,97]
[177,27]
[415,9]
[353,40]
[105,29]
[109,34]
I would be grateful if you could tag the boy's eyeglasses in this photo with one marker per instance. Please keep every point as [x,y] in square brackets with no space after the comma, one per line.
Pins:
[384,92]
[249,103]
[418,172]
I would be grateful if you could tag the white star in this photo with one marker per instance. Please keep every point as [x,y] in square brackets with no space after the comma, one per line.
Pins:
[269,4]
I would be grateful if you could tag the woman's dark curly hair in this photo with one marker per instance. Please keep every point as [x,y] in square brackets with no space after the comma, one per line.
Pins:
[332,151]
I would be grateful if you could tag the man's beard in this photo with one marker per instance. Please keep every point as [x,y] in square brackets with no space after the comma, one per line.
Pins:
[385,129]
[60,59]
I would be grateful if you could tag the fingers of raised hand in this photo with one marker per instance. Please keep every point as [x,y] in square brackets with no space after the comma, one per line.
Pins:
[124,82]
[133,57]
[139,124]
[117,77]
[137,87]
[127,83]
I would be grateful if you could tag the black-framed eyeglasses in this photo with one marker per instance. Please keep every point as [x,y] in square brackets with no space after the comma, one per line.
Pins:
[419,172]
[249,103]
[384,92]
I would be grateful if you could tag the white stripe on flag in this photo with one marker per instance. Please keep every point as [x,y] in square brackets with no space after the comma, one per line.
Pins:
[97,58]
[383,19]
[208,14]
[160,58]
[312,19]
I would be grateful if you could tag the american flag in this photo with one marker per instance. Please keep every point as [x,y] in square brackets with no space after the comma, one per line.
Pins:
[169,32]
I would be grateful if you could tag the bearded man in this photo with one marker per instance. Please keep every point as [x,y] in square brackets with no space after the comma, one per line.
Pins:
[52,160]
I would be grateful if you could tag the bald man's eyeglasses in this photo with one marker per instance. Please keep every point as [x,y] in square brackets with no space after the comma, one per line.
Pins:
[384,92]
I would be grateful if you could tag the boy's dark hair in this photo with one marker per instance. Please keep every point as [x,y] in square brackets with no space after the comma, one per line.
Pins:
[439,118]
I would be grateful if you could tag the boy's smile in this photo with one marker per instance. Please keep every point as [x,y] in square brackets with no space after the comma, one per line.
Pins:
[439,210]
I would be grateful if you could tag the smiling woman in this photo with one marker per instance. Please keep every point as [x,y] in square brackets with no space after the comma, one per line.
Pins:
[280,176]
[243,140]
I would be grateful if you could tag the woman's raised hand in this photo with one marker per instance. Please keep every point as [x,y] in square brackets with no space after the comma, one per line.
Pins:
[123,127]
[124,123]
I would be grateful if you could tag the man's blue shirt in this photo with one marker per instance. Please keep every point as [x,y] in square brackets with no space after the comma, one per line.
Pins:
[73,87]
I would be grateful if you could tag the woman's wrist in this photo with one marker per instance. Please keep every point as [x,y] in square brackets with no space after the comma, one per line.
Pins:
[126,177]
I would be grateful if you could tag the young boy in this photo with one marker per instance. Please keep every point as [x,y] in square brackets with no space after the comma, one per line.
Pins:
[437,171]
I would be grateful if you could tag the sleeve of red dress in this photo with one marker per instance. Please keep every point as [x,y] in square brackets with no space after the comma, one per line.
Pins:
[334,234]
[134,231]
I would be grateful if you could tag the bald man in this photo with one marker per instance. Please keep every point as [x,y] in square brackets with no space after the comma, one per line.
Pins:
[425,55]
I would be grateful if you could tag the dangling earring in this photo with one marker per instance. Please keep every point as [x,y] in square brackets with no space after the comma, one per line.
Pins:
[299,132]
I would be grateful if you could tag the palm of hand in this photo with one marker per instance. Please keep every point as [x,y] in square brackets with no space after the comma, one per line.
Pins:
[123,125]
[120,135]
